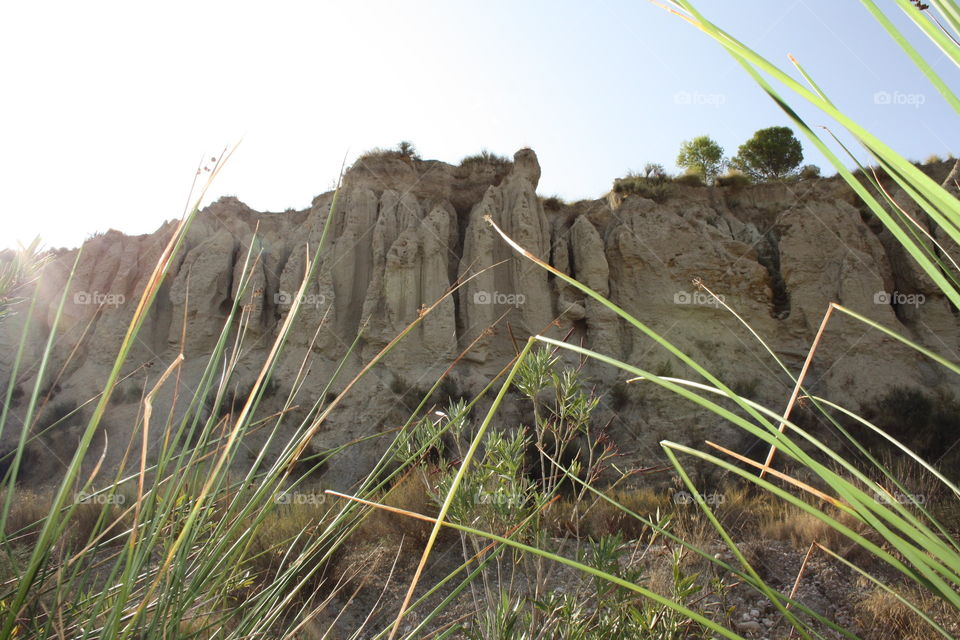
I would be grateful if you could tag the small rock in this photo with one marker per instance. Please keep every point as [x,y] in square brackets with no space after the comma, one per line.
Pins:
[750,626]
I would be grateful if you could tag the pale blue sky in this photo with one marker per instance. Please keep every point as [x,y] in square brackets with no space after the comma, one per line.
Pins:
[108,106]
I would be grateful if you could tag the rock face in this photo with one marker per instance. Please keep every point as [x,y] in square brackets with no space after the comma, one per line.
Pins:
[404,233]
[522,288]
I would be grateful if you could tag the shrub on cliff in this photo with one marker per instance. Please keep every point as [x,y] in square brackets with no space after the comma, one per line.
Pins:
[486,157]
[653,185]
[553,203]
[690,179]
[734,180]
[405,150]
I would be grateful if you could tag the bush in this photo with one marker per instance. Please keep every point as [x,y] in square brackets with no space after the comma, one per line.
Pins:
[403,151]
[652,188]
[734,180]
[553,203]
[920,421]
[654,170]
[406,149]
[690,180]
[809,172]
[486,157]
[409,492]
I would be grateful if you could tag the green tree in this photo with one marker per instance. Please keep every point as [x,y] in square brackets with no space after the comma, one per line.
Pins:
[701,155]
[771,154]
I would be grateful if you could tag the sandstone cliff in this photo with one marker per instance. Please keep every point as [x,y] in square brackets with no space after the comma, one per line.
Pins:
[404,231]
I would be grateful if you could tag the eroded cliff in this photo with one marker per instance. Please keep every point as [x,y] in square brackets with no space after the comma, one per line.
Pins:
[405,232]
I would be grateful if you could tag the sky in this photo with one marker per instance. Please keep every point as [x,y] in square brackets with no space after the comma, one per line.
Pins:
[108,108]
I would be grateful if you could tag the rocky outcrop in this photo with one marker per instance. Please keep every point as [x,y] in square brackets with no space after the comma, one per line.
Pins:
[497,282]
[407,236]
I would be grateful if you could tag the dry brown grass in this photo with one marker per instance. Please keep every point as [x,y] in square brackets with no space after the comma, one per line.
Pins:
[27,512]
[882,615]
[738,508]
[410,492]
[282,525]
[30,508]
[801,529]
[595,518]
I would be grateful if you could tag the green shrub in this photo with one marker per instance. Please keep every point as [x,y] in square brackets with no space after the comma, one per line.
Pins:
[809,172]
[734,180]
[652,188]
[689,180]
[403,151]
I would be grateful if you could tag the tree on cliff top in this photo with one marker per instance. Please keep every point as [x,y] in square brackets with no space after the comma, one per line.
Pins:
[701,155]
[771,154]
